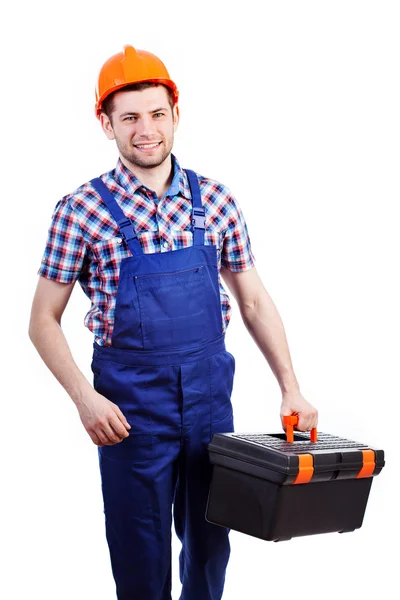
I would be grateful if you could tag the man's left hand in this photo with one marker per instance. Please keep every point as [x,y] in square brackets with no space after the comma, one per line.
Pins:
[293,403]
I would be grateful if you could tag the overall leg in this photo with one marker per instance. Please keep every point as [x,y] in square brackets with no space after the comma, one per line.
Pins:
[138,478]
[207,409]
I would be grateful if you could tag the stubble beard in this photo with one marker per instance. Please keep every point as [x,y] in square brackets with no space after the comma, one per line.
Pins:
[146,162]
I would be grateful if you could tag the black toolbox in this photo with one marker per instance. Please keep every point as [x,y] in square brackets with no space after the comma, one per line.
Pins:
[274,489]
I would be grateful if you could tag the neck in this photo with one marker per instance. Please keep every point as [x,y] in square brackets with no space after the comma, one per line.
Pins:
[157,179]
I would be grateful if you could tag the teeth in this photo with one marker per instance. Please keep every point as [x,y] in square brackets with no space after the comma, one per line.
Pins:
[147,145]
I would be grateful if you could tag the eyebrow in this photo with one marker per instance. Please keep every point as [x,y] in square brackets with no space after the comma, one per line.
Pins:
[135,114]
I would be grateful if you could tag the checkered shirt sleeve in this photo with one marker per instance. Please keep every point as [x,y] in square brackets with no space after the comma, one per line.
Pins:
[64,253]
[236,253]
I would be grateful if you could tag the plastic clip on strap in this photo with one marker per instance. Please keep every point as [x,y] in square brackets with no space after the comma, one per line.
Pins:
[126,229]
[199,223]
[199,218]
[292,420]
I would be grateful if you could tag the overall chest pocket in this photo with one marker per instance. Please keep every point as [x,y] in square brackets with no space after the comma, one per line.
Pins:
[172,308]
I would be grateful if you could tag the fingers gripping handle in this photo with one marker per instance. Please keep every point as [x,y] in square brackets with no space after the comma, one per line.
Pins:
[292,420]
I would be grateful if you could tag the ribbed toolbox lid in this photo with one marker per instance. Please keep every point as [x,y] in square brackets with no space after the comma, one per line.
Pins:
[328,455]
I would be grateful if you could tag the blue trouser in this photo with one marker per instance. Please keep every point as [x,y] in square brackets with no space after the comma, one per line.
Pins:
[171,376]
[174,410]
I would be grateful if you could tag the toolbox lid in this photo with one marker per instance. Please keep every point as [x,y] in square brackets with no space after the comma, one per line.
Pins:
[301,461]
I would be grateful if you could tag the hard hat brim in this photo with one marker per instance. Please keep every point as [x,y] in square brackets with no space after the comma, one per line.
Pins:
[162,81]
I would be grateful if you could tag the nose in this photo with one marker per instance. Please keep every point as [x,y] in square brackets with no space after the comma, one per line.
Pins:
[145,127]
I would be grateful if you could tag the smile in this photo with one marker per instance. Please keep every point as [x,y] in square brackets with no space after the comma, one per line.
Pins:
[147,146]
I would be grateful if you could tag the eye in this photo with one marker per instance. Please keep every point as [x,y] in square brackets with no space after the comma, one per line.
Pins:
[159,114]
[129,118]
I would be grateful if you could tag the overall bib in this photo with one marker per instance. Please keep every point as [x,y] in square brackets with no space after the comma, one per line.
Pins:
[170,374]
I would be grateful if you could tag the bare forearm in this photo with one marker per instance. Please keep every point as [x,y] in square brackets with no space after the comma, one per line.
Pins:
[266,328]
[49,340]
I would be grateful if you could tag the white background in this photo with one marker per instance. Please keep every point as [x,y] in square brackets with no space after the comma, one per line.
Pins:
[295,107]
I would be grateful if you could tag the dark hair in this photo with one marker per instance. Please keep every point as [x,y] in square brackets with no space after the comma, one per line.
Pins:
[108,104]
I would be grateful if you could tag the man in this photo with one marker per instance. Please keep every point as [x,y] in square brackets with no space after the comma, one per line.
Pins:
[147,242]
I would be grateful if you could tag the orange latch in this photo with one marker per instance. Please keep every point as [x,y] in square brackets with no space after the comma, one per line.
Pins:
[292,420]
[368,464]
[306,469]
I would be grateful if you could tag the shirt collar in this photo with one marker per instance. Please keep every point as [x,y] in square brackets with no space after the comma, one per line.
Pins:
[179,185]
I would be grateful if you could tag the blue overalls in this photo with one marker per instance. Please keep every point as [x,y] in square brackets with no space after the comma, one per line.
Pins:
[170,374]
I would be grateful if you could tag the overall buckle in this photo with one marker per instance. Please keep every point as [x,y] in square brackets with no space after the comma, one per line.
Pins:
[126,229]
[199,218]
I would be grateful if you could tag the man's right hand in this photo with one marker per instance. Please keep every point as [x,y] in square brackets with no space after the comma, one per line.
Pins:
[102,419]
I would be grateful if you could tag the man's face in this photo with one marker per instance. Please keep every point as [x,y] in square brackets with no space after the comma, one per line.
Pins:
[143,126]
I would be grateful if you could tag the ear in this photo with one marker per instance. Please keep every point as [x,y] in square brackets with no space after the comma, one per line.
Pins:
[106,126]
[175,113]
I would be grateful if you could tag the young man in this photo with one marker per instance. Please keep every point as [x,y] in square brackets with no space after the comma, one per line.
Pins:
[147,242]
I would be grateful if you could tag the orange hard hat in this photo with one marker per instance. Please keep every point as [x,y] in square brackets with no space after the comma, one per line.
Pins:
[127,67]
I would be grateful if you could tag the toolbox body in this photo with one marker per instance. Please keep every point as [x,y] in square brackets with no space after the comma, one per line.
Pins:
[269,488]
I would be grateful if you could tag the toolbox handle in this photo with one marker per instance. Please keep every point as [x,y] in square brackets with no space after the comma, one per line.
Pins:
[290,421]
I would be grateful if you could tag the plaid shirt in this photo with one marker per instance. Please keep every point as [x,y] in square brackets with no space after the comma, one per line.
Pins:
[83,240]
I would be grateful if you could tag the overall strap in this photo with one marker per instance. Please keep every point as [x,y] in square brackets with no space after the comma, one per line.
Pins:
[125,225]
[198,212]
